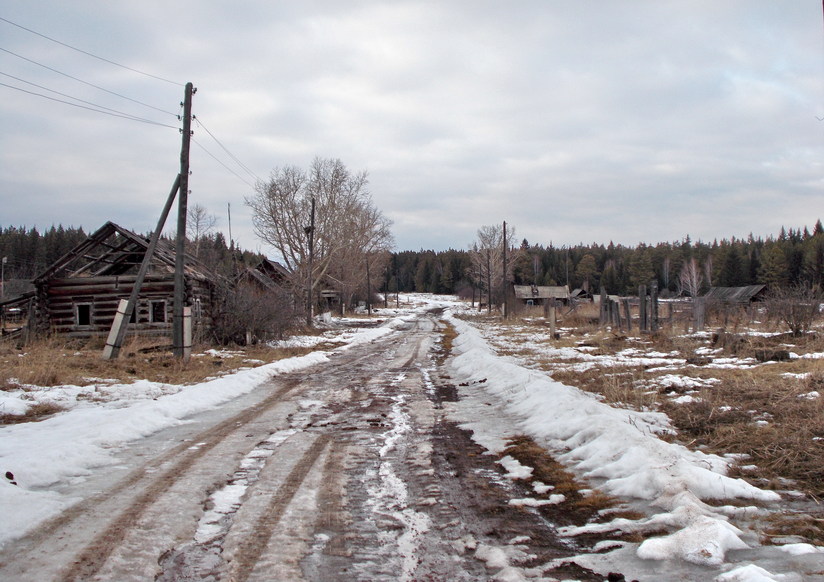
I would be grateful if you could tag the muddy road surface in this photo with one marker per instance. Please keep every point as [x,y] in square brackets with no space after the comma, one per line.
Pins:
[350,470]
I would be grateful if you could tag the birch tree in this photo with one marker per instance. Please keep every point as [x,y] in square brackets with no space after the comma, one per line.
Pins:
[691,277]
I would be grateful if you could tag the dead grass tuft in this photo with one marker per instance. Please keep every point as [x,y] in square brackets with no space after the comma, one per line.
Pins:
[448,335]
[35,412]
[779,525]
[547,470]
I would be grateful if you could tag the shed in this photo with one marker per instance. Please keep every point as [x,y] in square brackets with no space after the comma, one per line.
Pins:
[539,294]
[79,293]
[736,295]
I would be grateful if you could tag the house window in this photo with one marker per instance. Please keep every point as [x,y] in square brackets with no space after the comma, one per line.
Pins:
[158,312]
[83,314]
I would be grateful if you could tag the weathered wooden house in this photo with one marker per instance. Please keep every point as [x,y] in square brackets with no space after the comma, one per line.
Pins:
[78,295]
[540,294]
[736,295]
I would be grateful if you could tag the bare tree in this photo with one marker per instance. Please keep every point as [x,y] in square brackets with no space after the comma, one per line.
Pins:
[200,224]
[348,226]
[487,258]
[798,307]
[691,277]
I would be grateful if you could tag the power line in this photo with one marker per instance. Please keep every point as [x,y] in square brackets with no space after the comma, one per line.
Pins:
[230,170]
[88,53]
[225,149]
[86,82]
[102,107]
[113,114]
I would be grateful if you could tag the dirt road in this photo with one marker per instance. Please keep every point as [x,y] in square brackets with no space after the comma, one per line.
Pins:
[348,471]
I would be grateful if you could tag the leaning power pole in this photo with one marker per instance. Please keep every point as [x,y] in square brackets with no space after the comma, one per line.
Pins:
[178,344]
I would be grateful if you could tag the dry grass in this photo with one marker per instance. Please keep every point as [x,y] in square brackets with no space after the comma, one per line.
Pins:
[763,414]
[448,335]
[35,412]
[581,508]
[53,363]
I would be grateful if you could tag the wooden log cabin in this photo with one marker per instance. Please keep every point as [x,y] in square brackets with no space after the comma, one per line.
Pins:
[78,295]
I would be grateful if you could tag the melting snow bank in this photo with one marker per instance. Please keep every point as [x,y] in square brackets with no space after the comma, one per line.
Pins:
[621,450]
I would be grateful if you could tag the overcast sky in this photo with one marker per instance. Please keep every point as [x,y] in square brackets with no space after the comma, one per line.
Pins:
[584,121]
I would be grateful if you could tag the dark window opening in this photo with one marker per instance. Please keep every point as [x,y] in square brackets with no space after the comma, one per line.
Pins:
[158,312]
[84,314]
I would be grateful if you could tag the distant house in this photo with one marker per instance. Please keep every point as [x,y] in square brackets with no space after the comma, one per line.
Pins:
[580,294]
[539,294]
[78,295]
[276,272]
[736,295]
[268,276]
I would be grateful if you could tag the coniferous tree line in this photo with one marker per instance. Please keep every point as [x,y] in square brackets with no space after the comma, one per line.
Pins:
[794,256]
[686,267]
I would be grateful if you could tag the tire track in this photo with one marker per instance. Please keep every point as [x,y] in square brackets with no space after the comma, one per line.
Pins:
[89,561]
[111,515]
[253,546]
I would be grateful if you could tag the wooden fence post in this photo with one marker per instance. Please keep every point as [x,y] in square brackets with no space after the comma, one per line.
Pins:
[627,314]
[602,314]
[643,321]
[653,306]
[698,312]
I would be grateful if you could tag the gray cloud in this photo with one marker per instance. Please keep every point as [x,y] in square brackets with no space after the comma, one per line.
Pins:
[583,121]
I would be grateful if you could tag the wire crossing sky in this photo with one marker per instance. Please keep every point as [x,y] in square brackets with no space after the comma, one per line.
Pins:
[630,122]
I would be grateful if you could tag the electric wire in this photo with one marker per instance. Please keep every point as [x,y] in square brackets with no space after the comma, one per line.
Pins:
[105,60]
[86,82]
[102,107]
[122,115]
[215,158]
[225,149]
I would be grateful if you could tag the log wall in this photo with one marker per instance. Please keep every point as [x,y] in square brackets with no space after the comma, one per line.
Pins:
[59,299]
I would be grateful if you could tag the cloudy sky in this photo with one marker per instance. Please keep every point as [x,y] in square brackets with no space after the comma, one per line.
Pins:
[585,121]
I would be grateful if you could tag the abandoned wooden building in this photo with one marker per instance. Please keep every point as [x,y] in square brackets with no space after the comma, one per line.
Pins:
[540,294]
[78,294]
[736,295]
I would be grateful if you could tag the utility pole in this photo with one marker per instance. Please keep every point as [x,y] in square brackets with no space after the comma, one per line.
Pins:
[310,231]
[503,279]
[368,288]
[3,278]
[488,284]
[178,346]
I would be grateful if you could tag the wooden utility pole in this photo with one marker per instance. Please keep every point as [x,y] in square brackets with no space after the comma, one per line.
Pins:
[488,284]
[178,344]
[504,311]
[310,232]
[368,288]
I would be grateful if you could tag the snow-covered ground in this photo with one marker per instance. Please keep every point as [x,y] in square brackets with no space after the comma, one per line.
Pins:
[618,450]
